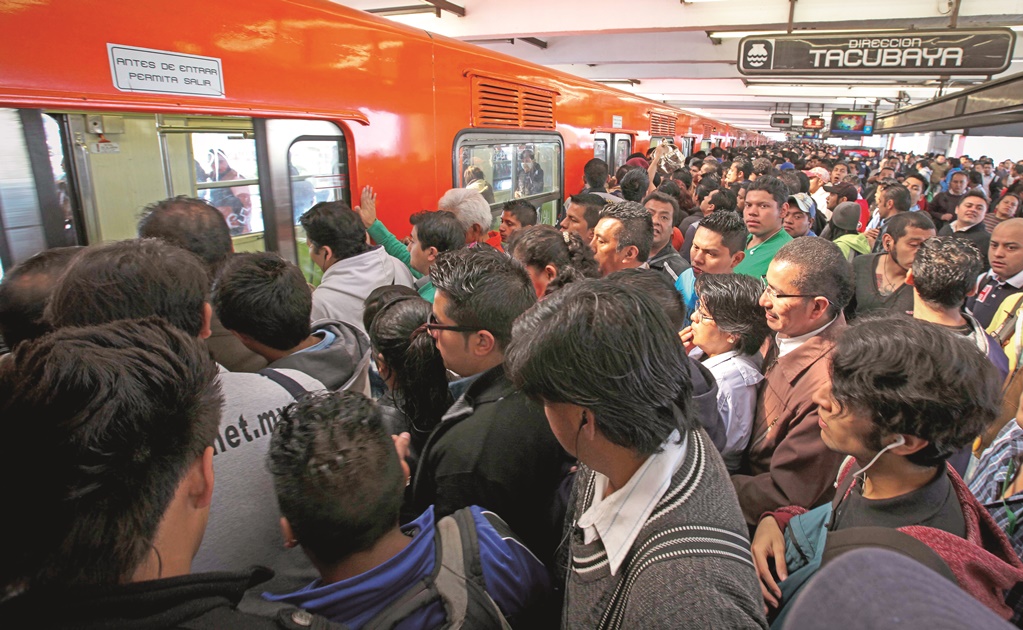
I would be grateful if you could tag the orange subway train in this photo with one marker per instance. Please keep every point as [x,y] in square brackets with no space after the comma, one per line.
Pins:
[267,107]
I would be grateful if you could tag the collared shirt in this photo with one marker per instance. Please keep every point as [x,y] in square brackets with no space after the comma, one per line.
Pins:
[987,479]
[758,258]
[616,519]
[787,344]
[324,343]
[992,291]
[737,376]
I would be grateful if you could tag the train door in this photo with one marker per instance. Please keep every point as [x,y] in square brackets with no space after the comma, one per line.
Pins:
[93,173]
[622,150]
[687,146]
[526,166]
[37,209]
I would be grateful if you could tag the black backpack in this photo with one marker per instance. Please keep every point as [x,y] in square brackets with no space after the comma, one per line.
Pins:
[456,581]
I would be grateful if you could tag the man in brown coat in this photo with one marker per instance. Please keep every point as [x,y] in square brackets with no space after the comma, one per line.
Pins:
[806,287]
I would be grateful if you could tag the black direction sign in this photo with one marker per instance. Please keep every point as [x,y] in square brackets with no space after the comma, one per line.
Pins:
[948,52]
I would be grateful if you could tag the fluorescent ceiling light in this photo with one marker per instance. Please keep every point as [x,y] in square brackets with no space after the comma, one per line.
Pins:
[618,81]
[741,34]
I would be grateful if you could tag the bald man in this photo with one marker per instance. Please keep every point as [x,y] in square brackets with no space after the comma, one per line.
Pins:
[1005,278]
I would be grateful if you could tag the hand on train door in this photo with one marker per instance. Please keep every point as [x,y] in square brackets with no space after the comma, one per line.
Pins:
[367,207]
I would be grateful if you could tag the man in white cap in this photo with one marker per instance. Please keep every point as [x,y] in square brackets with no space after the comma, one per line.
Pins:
[798,220]
[819,178]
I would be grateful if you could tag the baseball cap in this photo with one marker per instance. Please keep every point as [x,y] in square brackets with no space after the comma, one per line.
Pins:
[846,216]
[820,173]
[843,189]
[804,203]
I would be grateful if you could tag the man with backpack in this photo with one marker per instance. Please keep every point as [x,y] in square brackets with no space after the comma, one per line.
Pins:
[880,408]
[340,485]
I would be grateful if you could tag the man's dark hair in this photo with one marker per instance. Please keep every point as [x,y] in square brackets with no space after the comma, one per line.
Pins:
[733,302]
[762,166]
[336,474]
[523,211]
[192,224]
[485,289]
[265,297]
[708,185]
[440,229]
[122,409]
[637,228]
[901,222]
[570,348]
[664,198]
[335,225]
[695,162]
[595,174]
[723,200]
[822,270]
[131,280]
[731,228]
[744,166]
[918,177]
[683,175]
[592,205]
[634,185]
[792,181]
[899,195]
[974,193]
[656,286]
[25,292]
[772,185]
[905,385]
[945,270]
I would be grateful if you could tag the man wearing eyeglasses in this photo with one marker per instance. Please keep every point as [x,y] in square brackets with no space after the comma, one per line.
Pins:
[493,447]
[807,285]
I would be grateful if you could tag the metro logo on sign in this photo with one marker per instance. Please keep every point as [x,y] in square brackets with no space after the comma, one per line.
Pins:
[813,122]
[947,52]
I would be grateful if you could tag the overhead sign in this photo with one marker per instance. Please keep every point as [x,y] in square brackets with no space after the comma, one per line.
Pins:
[781,121]
[946,52]
[162,72]
[813,122]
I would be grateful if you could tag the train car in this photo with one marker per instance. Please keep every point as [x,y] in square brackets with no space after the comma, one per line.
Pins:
[265,108]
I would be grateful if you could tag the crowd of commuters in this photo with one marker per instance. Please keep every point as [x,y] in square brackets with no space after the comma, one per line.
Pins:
[712,396]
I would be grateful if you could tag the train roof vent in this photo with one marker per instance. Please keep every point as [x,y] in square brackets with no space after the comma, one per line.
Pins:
[497,103]
[662,124]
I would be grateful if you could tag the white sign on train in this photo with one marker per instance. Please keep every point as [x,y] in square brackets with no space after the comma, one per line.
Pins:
[162,72]
[616,122]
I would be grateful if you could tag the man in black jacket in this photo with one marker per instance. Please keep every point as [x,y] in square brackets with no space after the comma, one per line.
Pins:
[124,415]
[494,447]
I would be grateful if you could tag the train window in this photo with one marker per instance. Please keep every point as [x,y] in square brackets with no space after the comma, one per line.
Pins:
[512,166]
[623,148]
[600,149]
[226,175]
[318,171]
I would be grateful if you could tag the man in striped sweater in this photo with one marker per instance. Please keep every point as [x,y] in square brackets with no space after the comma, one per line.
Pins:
[654,535]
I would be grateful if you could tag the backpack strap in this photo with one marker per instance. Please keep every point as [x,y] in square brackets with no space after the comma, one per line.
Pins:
[288,383]
[457,581]
[1008,326]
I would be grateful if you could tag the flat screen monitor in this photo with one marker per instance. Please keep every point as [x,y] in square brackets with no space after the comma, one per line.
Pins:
[852,123]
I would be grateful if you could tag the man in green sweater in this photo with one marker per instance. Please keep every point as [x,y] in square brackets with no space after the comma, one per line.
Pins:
[432,233]
[767,203]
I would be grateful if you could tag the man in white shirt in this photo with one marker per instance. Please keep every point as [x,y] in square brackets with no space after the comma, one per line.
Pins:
[656,536]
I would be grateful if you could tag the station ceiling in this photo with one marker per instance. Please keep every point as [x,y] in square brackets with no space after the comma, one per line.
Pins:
[684,52]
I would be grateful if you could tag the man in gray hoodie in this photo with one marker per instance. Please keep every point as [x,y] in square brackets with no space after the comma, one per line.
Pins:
[265,302]
[351,267]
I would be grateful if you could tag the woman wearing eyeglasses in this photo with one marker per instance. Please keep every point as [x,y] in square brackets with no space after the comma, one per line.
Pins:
[729,327]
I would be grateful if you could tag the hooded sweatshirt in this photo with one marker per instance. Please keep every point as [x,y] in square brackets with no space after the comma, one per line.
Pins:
[340,361]
[347,283]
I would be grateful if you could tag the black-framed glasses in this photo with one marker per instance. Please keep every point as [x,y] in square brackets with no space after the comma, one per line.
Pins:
[773,293]
[431,324]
